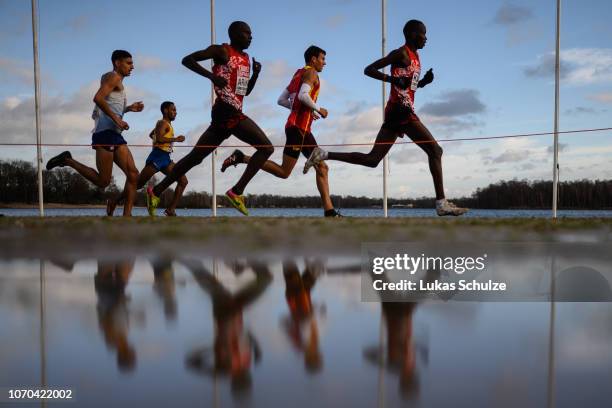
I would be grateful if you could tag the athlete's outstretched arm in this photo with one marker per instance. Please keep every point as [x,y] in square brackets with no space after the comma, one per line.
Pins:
[427,78]
[285,99]
[395,57]
[135,107]
[214,52]
[253,80]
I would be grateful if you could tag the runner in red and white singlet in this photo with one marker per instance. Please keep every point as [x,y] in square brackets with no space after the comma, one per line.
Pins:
[300,97]
[236,72]
[402,99]
[232,80]
[400,117]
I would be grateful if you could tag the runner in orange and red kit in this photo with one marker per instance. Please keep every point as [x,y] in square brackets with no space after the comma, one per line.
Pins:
[300,97]
[400,117]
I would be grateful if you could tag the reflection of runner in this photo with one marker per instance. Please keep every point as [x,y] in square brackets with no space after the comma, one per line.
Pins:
[232,82]
[400,348]
[110,282]
[400,117]
[233,345]
[300,98]
[301,326]
[159,158]
[164,286]
[107,141]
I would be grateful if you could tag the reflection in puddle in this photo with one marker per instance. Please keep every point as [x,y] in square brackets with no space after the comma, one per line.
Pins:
[235,348]
[288,332]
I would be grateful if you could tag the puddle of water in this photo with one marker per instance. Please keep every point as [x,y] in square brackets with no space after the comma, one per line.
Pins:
[285,332]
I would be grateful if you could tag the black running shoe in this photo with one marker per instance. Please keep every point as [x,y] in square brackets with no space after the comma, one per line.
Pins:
[233,160]
[59,160]
[333,214]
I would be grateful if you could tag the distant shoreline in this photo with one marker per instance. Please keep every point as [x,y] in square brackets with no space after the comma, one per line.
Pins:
[74,206]
[49,205]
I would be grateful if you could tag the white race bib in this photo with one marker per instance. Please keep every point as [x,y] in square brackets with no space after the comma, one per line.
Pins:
[242,81]
[415,80]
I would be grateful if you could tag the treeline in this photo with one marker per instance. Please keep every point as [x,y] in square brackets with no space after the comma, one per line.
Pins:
[516,194]
[18,184]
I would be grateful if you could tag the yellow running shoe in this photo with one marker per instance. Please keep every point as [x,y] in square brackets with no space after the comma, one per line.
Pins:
[237,201]
[152,201]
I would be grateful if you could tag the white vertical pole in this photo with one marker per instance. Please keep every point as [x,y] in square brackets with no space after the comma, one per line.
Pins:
[42,330]
[382,362]
[212,101]
[551,336]
[384,97]
[556,139]
[37,107]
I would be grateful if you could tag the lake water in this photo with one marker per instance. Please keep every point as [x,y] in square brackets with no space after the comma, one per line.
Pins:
[284,332]
[312,212]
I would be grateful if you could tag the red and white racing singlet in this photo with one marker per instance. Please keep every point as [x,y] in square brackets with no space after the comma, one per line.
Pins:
[237,72]
[412,71]
[301,115]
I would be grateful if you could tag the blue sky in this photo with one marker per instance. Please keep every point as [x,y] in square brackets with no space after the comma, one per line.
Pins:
[492,61]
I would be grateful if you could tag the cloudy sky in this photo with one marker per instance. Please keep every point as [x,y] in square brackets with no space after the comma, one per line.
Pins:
[493,62]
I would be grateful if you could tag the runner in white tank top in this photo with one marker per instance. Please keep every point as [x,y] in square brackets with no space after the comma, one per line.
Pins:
[107,141]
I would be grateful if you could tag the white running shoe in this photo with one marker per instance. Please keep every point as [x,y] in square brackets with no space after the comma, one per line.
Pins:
[316,157]
[445,207]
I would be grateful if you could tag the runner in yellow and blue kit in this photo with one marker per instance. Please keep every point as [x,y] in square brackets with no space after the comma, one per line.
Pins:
[159,158]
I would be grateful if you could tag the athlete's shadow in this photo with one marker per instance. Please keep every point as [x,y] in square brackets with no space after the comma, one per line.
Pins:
[235,348]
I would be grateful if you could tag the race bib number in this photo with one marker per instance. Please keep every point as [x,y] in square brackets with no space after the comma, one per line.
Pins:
[415,80]
[242,81]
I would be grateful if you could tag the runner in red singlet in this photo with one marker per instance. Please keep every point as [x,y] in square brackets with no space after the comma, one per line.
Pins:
[400,117]
[300,97]
[232,80]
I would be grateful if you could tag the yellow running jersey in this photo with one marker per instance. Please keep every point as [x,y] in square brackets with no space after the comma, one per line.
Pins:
[165,146]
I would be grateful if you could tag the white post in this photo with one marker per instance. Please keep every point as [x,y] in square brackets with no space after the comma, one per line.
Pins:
[556,138]
[42,328]
[551,335]
[382,362]
[37,107]
[384,97]
[212,101]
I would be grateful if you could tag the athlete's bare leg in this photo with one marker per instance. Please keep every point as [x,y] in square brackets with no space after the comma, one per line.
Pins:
[123,158]
[283,171]
[145,175]
[178,191]
[419,134]
[383,143]
[248,132]
[210,139]
[323,185]
[104,164]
